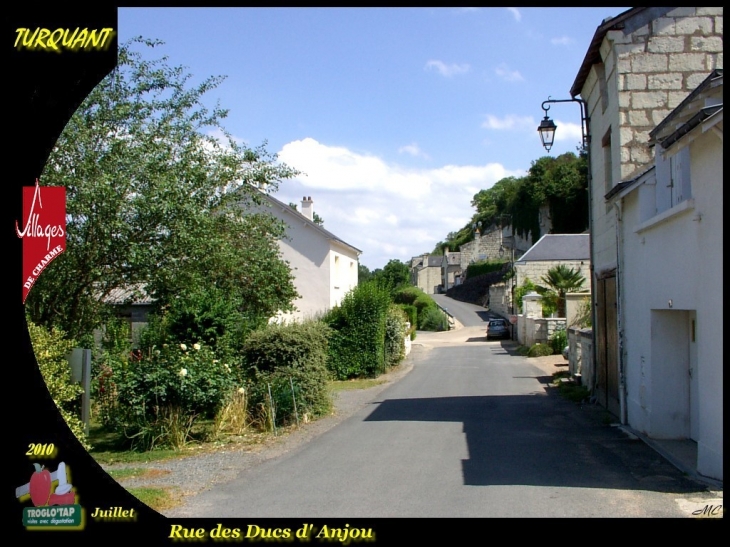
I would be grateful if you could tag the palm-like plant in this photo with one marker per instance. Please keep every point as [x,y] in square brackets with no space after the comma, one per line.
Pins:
[561,279]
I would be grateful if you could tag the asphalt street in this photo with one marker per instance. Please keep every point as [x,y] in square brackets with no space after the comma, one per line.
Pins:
[472,431]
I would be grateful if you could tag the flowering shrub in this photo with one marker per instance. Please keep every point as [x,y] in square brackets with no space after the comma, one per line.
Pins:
[180,381]
[51,349]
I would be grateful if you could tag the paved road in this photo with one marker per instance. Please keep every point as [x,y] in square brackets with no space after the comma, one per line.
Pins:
[469,315]
[471,431]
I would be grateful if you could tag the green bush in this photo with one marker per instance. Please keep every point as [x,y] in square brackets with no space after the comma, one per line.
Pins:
[357,343]
[540,350]
[412,314]
[113,354]
[51,349]
[484,267]
[290,362]
[434,320]
[168,387]
[559,340]
[526,287]
[395,333]
[407,295]
[206,316]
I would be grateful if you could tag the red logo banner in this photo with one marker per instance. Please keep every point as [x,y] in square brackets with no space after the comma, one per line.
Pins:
[43,231]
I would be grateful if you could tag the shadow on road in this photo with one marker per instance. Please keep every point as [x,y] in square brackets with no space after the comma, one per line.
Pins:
[541,441]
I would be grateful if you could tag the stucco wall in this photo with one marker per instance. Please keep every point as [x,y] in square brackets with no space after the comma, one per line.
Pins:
[666,356]
[343,268]
[324,271]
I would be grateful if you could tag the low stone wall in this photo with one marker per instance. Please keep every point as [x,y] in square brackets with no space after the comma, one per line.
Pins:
[580,358]
[539,331]
[499,298]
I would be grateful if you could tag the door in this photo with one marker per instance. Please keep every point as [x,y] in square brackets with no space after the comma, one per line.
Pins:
[607,381]
[694,396]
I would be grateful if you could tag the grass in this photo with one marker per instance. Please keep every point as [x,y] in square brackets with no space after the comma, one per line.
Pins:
[158,499]
[357,383]
[569,390]
[110,447]
[135,472]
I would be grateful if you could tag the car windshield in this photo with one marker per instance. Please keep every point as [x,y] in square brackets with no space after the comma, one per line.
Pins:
[496,324]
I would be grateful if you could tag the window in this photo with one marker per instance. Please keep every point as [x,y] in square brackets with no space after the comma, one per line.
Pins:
[673,184]
[607,165]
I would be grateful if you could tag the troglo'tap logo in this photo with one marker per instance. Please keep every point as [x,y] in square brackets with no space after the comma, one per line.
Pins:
[44,230]
[53,499]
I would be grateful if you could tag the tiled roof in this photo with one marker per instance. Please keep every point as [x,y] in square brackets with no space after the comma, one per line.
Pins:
[134,294]
[559,247]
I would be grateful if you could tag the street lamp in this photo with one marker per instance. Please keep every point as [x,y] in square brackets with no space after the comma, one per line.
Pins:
[547,130]
[547,127]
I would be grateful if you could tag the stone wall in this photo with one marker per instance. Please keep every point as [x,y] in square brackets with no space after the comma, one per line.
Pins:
[657,66]
[499,298]
[429,279]
[484,247]
[576,304]
[535,270]
[580,357]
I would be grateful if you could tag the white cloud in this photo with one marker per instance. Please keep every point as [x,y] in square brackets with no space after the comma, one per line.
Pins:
[562,41]
[446,70]
[385,210]
[413,149]
[510,121]
[504,72]
[516,13]
[567,131]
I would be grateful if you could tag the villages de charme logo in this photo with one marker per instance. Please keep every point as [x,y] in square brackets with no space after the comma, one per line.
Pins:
[44,230]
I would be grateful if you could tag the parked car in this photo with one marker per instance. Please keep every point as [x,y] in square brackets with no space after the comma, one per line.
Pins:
[497,328]
[566,353]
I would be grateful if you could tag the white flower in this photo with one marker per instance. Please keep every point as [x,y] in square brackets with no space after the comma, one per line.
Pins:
[215,361]
[241,390]
[227,367]
[196,347]
[183,347]
[183,372]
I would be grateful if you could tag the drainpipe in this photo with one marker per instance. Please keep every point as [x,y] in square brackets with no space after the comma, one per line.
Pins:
[618,207]
[591,231]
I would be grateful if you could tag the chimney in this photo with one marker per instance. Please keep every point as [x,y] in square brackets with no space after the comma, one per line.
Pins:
[307,209]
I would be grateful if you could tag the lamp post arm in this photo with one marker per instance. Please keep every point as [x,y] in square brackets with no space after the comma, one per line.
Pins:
[585,121]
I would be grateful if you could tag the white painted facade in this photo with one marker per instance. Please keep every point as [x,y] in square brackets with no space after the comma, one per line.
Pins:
[671,275]
[640,66]
[325,268]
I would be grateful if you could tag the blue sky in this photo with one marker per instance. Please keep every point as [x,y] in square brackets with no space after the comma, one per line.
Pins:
[395,116]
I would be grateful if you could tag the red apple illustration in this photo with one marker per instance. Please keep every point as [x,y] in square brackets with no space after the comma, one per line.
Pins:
[40,486]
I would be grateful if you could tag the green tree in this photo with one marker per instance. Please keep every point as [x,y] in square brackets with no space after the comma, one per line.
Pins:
[363,274]
[561,280]
[394,274]
[155,200]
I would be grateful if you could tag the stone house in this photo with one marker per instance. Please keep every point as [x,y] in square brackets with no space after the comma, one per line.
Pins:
[325,267]
[489,244]
[669,221]
[426,273]
[639,66]
[451,271]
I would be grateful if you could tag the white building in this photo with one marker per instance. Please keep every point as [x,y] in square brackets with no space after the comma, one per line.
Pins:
[639,66]
[670,270]
[325,267]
